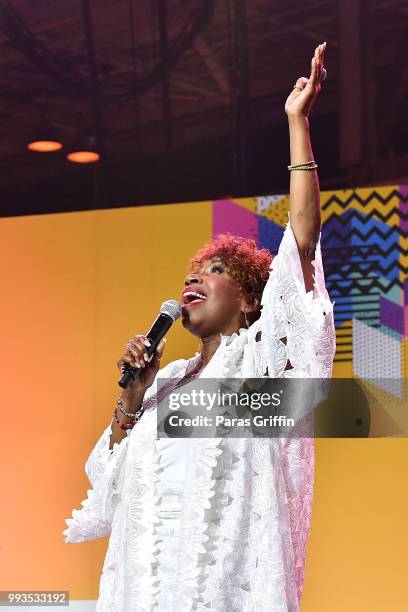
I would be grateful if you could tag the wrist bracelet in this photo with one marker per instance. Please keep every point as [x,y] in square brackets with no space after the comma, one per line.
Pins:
[310,165]
[304,168]
[122,425]
[135,416]
[131,415]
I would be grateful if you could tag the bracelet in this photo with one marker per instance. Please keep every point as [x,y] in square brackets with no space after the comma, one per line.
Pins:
[305,168]
[131,415]
[135,416]
[122,425]
[310,165]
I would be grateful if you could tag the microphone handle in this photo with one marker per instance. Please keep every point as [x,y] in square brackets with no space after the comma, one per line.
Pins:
[159,328]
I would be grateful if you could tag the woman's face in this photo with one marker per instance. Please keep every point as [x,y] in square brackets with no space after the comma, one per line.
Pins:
[212,301]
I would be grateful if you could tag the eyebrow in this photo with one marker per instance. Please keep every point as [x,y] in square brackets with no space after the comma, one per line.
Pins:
[211,262]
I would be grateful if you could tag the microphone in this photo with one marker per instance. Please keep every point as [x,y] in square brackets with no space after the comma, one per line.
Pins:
[170,311]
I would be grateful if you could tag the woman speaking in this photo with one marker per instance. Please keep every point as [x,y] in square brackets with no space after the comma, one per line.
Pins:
[210,523]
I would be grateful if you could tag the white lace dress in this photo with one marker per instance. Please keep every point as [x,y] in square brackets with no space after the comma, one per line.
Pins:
[215,524]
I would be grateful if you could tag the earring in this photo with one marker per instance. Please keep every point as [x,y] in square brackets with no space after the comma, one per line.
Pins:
[246,319]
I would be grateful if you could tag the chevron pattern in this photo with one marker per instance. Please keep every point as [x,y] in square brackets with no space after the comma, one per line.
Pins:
[365,254]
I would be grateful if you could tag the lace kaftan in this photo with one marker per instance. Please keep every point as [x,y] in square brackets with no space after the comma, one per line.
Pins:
[231,534]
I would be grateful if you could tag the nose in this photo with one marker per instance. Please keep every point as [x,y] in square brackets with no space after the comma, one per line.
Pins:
[192,279]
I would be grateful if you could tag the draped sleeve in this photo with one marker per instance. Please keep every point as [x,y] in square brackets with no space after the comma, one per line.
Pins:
[106,471]
[105,474]
[296,325]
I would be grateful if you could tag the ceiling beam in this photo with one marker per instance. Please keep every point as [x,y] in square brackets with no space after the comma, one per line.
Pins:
[356,82]
[213,63]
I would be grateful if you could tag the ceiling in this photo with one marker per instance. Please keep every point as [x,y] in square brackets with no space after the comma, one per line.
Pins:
[185,98]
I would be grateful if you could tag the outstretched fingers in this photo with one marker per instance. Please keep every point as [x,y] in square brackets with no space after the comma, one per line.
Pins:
[322,69]
[318,72]
[314,70]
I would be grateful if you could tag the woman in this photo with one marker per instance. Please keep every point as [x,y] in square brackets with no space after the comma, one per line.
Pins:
[209,523]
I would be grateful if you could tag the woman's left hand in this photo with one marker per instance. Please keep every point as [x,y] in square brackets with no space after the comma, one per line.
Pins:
[300,101]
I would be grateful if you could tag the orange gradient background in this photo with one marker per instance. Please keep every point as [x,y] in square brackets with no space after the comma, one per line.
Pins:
[76,286]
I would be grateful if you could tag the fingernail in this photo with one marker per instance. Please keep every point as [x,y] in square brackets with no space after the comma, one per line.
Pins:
[142,363]
[147,342]
[146,356]
[137,364]
[164,340]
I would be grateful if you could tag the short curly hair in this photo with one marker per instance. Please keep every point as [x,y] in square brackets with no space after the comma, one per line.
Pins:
[248,265]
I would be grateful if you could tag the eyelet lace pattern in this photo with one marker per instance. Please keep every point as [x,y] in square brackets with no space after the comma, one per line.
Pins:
[246,503]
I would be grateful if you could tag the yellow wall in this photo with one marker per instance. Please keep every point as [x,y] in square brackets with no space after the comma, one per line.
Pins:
[76,286]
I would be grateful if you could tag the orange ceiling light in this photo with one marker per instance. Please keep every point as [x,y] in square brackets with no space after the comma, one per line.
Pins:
[43,138]
[44,146]
[83,157]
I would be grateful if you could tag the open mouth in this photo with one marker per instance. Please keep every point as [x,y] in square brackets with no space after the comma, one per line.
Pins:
[193,297]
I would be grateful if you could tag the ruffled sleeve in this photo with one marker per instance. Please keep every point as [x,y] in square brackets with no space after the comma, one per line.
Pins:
[295,324]
[104,469]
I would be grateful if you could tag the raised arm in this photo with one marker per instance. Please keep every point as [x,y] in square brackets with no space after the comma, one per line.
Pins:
[304,202]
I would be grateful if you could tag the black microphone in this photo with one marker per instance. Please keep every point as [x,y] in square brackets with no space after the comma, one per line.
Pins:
[170,311]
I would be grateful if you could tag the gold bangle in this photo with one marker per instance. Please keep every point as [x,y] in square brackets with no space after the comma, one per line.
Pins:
[304,168]
[308,164]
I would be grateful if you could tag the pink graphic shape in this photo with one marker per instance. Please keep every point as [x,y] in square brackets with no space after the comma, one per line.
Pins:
[404,207]
[230,217]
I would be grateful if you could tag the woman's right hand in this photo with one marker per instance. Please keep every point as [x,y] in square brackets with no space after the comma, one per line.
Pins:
[136,356]
[305,91]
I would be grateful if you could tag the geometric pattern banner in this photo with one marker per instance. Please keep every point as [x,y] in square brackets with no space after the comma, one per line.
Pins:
[364,247]
[365,257]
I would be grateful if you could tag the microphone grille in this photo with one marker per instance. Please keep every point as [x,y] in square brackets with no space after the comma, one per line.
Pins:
[172,308]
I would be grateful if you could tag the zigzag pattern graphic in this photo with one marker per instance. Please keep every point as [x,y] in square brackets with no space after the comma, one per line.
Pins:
[334,270]
[395,214]
[363,239]
[362,235]
[364,250]
[362,289]
[358,250]
[356,199]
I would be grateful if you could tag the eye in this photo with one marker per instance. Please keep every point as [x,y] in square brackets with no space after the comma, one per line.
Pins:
[217,267]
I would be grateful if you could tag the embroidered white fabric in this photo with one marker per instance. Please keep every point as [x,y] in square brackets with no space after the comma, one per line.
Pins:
[233,537]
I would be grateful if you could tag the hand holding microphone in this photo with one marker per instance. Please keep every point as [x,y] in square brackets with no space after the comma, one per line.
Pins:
[137,358]
[141,361]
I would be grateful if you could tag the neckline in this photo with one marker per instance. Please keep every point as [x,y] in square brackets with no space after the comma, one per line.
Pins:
[228,339]
[225,341]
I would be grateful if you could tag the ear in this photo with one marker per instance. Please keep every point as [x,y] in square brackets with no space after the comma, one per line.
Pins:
[249,303]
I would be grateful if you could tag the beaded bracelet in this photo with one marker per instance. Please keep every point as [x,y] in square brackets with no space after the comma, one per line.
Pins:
[131,415]
[309,163]
[305,168]
[135,416]
[122,425]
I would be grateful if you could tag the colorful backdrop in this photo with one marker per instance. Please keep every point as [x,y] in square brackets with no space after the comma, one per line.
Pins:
[76,286]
